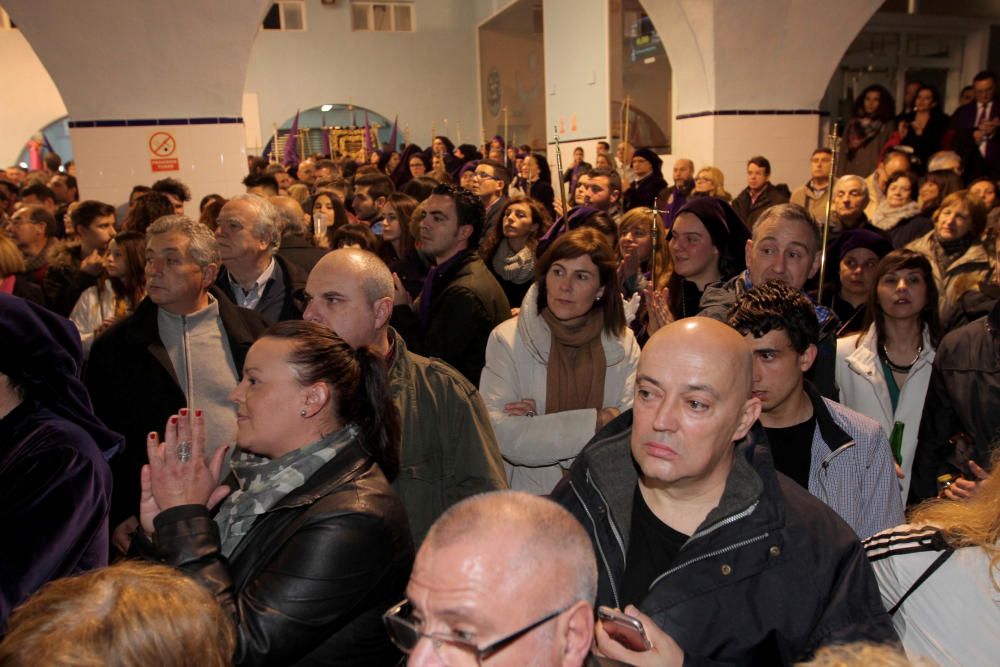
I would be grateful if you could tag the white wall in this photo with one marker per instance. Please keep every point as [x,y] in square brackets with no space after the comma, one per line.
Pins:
[29,99]
[576,68]
[424,76]
[122,59]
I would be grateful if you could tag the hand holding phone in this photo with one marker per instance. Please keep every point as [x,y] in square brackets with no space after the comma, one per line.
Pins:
[624,629]
[633,638]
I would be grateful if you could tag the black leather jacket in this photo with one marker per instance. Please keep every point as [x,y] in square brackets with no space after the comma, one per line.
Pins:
[768,577]
[308,584]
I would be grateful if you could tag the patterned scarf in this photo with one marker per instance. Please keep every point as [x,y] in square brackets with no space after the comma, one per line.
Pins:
[263,482]
[947,252]
[516,267]
[860,133]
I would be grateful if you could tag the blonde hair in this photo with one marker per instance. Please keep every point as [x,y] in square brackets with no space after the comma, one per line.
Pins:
[661,257]
[11,260]
[862,654]
[718,180]
[131,614]
[973,522]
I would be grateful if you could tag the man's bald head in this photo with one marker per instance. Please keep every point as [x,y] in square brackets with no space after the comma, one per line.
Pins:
[548,541]
[291,217]
[709,339]
[503,562]
[370,272]
[350,291]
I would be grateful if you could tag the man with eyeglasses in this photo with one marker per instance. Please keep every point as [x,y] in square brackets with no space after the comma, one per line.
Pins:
[490,185]
[33,230]
[503,578]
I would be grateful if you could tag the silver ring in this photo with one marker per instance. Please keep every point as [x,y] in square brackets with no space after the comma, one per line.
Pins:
[184,451]
[530,413]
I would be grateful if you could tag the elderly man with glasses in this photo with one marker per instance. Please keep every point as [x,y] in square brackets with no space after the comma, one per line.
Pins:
[466,604]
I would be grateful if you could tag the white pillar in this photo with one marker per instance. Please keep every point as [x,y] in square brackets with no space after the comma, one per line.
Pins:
[749,78]
[127,70]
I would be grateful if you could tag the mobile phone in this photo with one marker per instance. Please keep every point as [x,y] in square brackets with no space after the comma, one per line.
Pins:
[624,629]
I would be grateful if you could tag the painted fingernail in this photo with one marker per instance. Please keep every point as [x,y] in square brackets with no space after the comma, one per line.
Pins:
[184,412]
[152,435]
[197,413]
[173,420]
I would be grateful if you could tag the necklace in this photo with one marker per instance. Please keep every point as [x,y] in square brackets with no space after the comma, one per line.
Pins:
[895,367]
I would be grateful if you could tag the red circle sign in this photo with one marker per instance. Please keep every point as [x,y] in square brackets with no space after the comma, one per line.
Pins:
[162,144]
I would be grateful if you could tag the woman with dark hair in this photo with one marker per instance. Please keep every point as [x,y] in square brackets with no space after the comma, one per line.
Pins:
[707,244]
[858,253]
[328,214]
[538,182]
[210,214]
[898,215]
[467,174]
[985,190]
[955,251]
[401,174]
[208,199]
[310,543]
[565,366]
[509,247]
[884,370]
[868,130]
[398,248]
[419,165]
[387,162]
[420,188]
[934,187]
[924,128]
[354,235]
[118,291]
[145,210]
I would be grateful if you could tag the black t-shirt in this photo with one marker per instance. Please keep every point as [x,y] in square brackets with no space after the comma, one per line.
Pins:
[791,448]
[652,548]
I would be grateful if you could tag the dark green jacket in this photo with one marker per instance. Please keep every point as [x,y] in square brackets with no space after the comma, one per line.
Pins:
[449,450]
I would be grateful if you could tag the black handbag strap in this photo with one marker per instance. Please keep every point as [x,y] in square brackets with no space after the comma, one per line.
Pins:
[938,562]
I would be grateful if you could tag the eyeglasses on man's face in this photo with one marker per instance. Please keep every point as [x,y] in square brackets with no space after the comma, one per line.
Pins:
[484,176]
[453,650]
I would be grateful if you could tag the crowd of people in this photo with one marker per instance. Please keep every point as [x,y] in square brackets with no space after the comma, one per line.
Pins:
[667,424]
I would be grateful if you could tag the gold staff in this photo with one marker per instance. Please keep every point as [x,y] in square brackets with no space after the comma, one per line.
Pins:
[559,168]
[834,140]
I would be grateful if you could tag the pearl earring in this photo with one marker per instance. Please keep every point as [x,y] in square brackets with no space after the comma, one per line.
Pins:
[302,413]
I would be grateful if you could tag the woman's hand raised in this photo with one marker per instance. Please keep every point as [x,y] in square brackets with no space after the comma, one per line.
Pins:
[177,473]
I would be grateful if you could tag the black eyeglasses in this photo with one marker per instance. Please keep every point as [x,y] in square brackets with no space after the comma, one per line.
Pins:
[485,177]
[453,651]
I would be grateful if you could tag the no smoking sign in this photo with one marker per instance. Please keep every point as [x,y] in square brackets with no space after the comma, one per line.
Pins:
[163,145]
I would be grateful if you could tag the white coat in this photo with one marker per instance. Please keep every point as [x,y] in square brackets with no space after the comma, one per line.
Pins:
[863,388]
[537,449]
[90,312]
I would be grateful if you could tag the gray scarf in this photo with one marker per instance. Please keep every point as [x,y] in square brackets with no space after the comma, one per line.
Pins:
[263,482]
[886,217]
[516,267]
